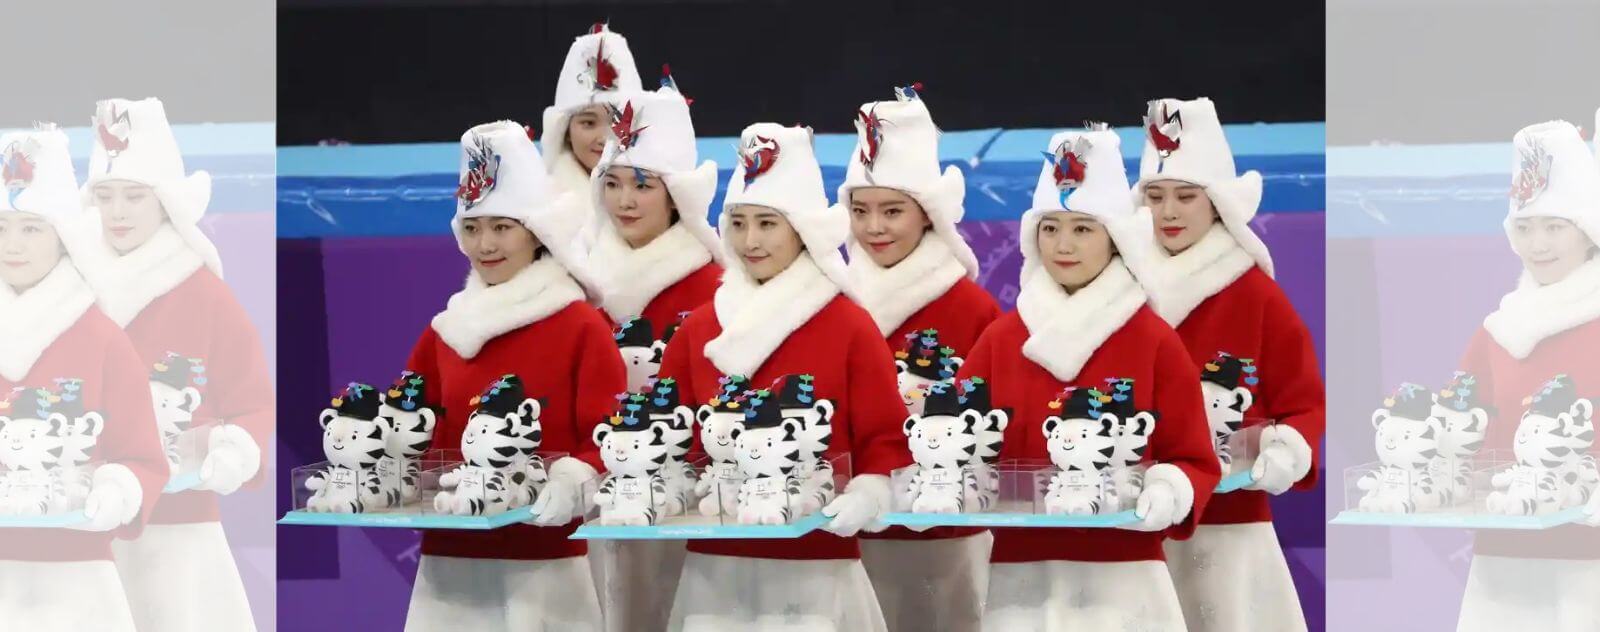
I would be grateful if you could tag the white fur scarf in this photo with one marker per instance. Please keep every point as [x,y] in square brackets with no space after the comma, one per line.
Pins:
[757,318]
[33,319]
[1064,330]
[1533,312]
[1183,281]
[893,294]
[126,284]
[629,278]
[480,313]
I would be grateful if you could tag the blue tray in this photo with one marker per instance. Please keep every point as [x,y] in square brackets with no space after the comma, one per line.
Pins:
[1233,482]
[690,531]
[182,483]
[55,521]
[1009,520]
[1459,521]
[408,520]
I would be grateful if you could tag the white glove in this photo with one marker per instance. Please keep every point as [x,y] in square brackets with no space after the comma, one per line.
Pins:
[1284,460]
[558,503]
[232,460]
[1591,511]
[114,498]
[862,506]
[1167,499]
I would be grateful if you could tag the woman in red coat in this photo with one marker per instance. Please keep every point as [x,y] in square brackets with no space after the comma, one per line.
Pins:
[1081,322]
[653,256]
[915,275]
[73,394]
[784,317]
[1210,277]
[156,274]
[524,313]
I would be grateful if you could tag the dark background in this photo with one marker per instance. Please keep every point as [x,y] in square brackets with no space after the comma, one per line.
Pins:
[424,70]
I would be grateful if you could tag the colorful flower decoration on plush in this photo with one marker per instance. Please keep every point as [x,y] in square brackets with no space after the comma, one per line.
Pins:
[757,157]
[970,386]
[634,332]
[483,167]
[179,372]
[668,82]
[871,127]
[672,330]
[622,127]
[1554,397]
[1119,389]
[1229,372]
[599,74]
[1460,393]
[795,391]
[663,395]
[1070,165]
[406,391]
[630,410]
[1165,129]
[1408,402]
[1533,177]
[731,397]
[912,92]
[13,396]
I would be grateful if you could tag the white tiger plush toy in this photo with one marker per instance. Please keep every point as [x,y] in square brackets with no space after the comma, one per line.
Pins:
[920,363]
[797,400]
[661,405]
[634,450]
[30,444]
[1551,441]
[719,484]
[353,439]
[944,445]
[500,471]
[411,422]
[175,383]
[79,435]
[1462,422]
[767,447]
[991,436]
[641,352]
[1081,441]
[1132,436]
[1407,442]
[1225,384]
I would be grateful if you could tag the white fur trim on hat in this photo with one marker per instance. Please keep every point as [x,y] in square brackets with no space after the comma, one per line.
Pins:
[1554,175]
[133,141]
[502,175]
[1202,157]
[1103,193]
[901,142]
[576,86]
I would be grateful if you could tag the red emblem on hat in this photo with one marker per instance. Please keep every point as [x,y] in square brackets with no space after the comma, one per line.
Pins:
[1533,176]
[479,177]
[18,170]
[757,157]
[622,126]
[600,74]
[871,135]
[1163,128]
[112,128]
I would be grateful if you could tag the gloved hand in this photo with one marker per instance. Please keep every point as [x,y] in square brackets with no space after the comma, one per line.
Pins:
[1167,499]
[114,498]
[1284,459]
[558,504]
[862,506]
[232,459]
[1591,511]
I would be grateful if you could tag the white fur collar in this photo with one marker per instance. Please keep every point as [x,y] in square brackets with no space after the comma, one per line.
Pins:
[33,319]
[629,278]
[1534,312]
[894,293]
[481,313]
[1183,281]
[570,177]
[756,318]
[1064,330]
[126,284]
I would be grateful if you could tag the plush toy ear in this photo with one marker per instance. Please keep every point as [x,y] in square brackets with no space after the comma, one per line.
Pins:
[1379,416]
[328,415]
[600,432]
[735,431]
[1480,419]
[911,422]
[428,419]
[1109,423]
[1242,399]
[824,410]
[682,418]
[656,351]
[1147,421]
[191,399]
[660,428]
[93,423]
[1050,425]
[380,429]
[1000,417]
[1583,410]
[702,414]
[60,425]
[957,362]
[973,418]
[899,366]
[529,409]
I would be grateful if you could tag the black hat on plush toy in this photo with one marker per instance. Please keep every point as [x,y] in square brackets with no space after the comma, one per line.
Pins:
[24,402]
[1076,402]
[68,398]
[1462,393]
[761,410]
[502,397]
[407,393]
[635,332]
[633,414]
[672,330]
[1409,401]
[1228,372]
[662,398]
[1555,398]
[975,395]
[795,391]
[179,372]
[924,357]
[357,400]
[944,399]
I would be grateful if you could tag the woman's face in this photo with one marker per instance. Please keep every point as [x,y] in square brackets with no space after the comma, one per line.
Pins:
[763,240]
[640,207]
[1550,247]
[587,133]
[1074,248]
[498,247]
[130,213]
[29,249]
[1182,211]
[887,223]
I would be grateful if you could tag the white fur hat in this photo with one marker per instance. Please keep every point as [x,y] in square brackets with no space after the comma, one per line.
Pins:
[1554,175]
[502,175]
[1184,141]
[1084,172]
[134,142]
[38,175]
[778,169]
[897,147]
[599,69]
[654,132]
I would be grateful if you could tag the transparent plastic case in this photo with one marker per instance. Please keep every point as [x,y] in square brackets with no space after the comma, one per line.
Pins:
[1485,492]
[1237,455]
[436,491]
[1016,493]
[45,497]
[186,452]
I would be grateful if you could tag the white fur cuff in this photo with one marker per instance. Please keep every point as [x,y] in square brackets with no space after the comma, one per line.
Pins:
[1287,437]
[1182,489]
[874,486]
[117,476]
[572,470]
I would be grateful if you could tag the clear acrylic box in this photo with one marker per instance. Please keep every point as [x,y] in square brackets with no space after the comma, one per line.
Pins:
[45,498]
[1019,493]
[186,452]
[1451,495]
[725,505]
[1237,455]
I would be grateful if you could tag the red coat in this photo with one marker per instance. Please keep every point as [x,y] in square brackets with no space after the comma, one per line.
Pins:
[1165,380]
[569,362]
[843,349]
[200,318]
[1503,382]
[960,314]
[117,385]
[687,294]
[1252,318]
